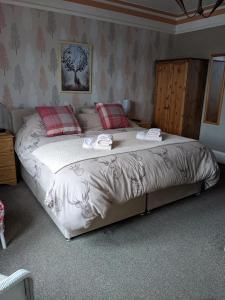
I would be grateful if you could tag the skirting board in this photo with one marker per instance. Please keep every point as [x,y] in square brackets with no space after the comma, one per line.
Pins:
[220,156]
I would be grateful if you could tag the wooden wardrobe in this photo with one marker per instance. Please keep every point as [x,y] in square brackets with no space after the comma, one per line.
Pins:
[179,95]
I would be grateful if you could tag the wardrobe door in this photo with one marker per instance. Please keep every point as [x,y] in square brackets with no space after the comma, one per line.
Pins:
[197,72]
[164,79]
[177,99]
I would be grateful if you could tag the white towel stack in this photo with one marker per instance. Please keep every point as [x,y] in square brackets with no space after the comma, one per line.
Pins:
[102,142]
[153,134]
[88,142]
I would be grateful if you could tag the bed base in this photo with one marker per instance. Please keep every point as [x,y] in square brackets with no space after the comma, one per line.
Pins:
[137,206]
[171,194]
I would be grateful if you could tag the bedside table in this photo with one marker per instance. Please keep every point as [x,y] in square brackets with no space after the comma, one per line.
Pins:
[7,159]
[144,124]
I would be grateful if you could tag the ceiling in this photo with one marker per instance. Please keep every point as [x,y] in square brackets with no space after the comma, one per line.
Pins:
[168,5]
[158,15]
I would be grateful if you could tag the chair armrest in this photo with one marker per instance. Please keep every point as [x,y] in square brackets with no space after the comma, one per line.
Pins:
[16,278]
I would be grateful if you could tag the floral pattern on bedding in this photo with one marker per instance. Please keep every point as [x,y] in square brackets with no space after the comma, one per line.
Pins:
[84,190]
[118,178]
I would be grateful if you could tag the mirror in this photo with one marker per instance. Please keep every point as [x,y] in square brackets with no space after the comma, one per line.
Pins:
[215,89]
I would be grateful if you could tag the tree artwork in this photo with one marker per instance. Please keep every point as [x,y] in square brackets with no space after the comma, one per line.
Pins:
[2,19]
[51,26]
[75,60]
[73,27]
[4,61]
[40,41]
[53,66]
[18,79]
[7,99]
[15,38]
[43,82]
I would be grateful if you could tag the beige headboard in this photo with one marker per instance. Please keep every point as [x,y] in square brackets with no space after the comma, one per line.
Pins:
[17,117]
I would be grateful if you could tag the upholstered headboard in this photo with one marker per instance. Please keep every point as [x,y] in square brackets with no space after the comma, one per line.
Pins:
[17,117]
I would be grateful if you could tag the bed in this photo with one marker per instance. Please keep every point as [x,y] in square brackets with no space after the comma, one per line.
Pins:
[85,190]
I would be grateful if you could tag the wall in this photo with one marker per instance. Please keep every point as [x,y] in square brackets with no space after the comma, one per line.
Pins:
[202,44]
[123,59]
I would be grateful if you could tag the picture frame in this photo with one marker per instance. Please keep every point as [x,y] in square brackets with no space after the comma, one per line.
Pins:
[75,67]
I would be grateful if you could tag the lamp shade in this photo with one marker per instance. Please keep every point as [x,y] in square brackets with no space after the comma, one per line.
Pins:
[126,103]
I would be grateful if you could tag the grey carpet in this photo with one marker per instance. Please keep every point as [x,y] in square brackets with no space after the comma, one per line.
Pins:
[174,253]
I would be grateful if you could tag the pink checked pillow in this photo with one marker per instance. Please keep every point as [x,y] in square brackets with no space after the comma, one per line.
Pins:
[59,120]
[112,115]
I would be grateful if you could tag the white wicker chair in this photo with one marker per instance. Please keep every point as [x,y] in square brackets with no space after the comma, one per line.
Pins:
[18,286]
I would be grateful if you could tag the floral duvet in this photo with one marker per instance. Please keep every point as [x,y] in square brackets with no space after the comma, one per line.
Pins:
[86,186]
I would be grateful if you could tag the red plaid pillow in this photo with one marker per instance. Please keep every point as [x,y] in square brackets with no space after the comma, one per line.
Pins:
[112,115]
[59,120]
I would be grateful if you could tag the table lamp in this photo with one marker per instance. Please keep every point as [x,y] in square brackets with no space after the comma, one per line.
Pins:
[126,103]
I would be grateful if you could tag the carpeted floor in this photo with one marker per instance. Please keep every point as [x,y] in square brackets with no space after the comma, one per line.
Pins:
[174,253]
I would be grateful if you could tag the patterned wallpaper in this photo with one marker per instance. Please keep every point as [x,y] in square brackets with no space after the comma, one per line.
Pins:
[122,67]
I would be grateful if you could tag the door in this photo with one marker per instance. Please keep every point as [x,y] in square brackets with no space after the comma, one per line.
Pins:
[175,108]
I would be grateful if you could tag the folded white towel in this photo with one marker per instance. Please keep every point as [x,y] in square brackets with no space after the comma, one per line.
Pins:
[102,147]
[105,139]
[88,143]
[152,134]
[91,143]
[104,136]
[142,135]
[155,130]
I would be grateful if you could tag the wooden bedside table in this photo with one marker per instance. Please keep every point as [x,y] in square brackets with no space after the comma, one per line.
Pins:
[7,159]
[144,124]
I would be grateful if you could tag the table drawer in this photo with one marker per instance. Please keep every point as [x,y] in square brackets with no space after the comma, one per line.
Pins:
[7,158]
[6,145]
[8,175]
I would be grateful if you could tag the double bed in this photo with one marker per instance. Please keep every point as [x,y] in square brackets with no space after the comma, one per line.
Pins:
[82,189]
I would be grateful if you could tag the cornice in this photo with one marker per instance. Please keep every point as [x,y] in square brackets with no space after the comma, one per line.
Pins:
[122,12]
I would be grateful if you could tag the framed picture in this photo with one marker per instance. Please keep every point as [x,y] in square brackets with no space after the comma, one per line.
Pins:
[75,70]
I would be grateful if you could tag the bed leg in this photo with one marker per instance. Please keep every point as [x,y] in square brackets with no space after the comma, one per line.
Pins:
[147,212]
[197,194]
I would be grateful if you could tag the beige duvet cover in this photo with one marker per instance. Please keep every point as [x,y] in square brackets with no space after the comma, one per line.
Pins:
[81,189]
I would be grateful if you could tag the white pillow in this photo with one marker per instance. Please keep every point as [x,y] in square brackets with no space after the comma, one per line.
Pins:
[89,121]
[35,124]
[88,110]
